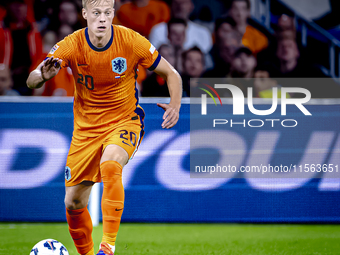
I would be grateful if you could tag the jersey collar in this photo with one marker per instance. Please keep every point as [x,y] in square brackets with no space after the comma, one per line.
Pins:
[94,47]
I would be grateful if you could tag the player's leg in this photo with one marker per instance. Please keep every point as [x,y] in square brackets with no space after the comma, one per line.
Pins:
[118,149]
[112,162]
[78,216]
[81,172]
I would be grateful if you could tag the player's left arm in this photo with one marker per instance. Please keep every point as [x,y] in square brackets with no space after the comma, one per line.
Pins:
[174,81]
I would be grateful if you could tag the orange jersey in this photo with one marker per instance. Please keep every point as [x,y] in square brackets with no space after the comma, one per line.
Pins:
[254,40]
[105,90]
[142,19]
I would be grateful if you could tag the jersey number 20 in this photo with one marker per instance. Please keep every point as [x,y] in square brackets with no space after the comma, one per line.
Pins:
[87,81]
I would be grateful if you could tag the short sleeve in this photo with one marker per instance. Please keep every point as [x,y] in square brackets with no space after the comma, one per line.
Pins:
[148,55]
[62,50]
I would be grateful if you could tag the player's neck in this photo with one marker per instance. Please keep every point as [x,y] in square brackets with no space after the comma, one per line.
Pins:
[100,42]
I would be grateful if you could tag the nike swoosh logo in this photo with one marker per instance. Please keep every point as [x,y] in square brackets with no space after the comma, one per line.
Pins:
[118,209]
[82,64]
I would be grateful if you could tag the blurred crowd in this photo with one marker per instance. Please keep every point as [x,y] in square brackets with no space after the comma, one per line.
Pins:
[200,39]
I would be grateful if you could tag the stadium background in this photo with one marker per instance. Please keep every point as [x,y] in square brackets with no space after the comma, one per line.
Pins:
[35,133]
[36,136]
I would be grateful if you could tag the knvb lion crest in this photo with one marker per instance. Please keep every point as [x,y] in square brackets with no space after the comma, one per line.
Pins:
[119,65]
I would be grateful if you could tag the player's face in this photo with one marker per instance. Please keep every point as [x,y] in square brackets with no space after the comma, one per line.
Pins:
[99,15]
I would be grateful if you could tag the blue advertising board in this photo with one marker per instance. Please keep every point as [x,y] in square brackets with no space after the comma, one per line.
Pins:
[35,138]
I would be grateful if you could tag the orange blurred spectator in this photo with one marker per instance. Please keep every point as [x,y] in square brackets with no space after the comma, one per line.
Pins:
[20,44]
[252,38]
[142,15]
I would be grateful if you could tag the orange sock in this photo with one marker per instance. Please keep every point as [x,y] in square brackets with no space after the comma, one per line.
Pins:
[80,227]
[112,200]
[91,252]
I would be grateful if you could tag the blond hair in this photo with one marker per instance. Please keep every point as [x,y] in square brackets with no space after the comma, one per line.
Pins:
[85,2]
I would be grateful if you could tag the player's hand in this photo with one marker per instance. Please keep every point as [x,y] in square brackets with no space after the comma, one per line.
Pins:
[50,68]
[170,116]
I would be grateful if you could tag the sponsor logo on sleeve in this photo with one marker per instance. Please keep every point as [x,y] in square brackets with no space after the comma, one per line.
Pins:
[152,49]
[54,49]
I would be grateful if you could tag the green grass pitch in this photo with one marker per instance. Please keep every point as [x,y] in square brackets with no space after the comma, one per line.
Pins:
[180,239]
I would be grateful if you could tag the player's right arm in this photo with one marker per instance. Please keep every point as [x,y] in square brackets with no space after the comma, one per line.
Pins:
[59,56]
[45,71]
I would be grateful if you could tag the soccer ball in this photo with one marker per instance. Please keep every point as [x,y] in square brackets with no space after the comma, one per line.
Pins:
[49,247]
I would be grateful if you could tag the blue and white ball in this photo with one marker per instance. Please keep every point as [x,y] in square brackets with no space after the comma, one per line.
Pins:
[49,247]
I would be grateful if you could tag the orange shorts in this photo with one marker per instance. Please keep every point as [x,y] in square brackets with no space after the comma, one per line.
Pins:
[83,160]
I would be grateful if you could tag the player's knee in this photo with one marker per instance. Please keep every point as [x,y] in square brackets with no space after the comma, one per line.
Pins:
[111,171]
[113,152]
[74,203]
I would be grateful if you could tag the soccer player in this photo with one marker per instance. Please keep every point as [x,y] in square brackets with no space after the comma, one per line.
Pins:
[108,122]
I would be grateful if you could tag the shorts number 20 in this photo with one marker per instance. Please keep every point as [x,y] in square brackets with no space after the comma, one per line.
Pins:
[125,135]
